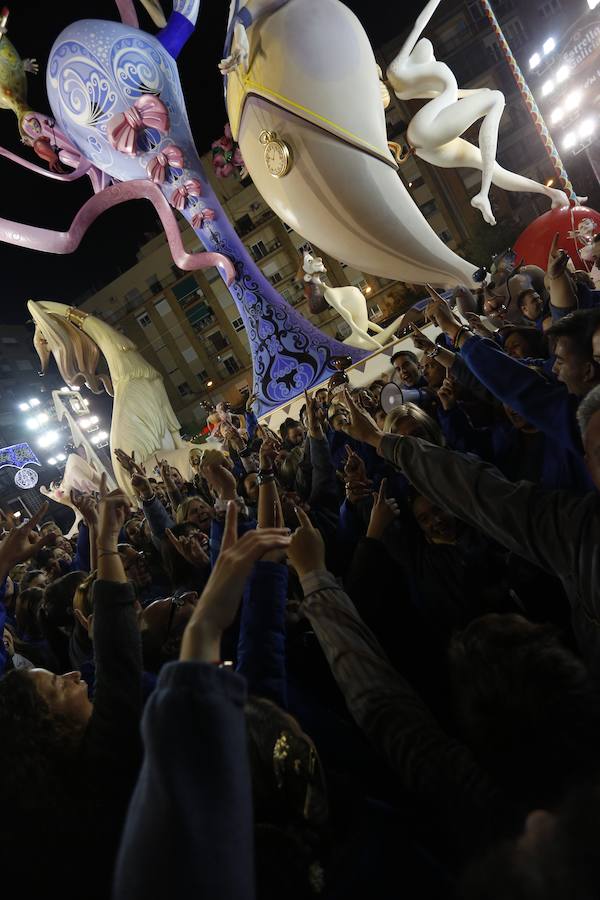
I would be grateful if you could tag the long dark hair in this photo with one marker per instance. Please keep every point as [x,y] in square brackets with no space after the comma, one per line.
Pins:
[37,750]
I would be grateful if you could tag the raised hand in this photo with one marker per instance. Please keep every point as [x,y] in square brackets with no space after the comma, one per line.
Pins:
[221,481]
[217,607]
[558,259]
[190,548]
[128,462]
[440,313]
[87,506]
[478,325]
[113,509]
[142,487]
[314,416]
[383,513]
[361,427]
[250,402]
[307,549]
[22,542]
[268,454]
[420,339]
[447,393]
[355,470]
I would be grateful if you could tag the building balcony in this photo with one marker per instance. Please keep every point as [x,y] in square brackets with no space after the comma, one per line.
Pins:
[204,323]
[212,351]
[283,274]
[272,247]
[247,226]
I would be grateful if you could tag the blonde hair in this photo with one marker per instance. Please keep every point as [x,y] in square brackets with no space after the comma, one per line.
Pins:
[184,508]
[433,432]
[82,599]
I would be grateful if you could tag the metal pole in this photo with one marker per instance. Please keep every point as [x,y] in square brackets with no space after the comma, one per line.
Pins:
[531,105]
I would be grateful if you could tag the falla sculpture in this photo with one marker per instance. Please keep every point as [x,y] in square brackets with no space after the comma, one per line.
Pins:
[306,104]
[119,117]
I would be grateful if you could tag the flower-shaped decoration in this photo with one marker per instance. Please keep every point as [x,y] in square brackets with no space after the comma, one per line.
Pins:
[227,156]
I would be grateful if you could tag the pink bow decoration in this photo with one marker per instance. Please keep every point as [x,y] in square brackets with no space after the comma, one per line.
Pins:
[124,128]
[207,215]
[169,157]
[189,190]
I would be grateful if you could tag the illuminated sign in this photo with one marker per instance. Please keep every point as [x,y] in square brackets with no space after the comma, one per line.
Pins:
[18,455]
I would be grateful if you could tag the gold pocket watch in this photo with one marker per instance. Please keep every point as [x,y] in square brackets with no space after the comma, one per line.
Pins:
[278,154]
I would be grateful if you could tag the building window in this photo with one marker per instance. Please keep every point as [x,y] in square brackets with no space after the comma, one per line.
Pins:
[258,250]
[218,340]
[162,307]
[189,354]
[238,324]
[186,287]
[133,296]
[231,364]
[154,284]
[275,278]
[550,8]
[445,236]
[429,208]
[144,320]
[202,375]
[184,389]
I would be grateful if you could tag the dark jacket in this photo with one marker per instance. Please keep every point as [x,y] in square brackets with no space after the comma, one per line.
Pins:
[556,530]
[189,829]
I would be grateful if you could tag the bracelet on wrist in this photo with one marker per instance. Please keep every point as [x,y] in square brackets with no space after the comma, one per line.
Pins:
[107,553]
[462,330]
[266,478]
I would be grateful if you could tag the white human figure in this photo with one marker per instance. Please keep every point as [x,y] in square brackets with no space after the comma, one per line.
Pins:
[349,302]
[434,132]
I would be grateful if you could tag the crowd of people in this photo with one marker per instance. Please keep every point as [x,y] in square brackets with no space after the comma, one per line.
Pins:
[355,657]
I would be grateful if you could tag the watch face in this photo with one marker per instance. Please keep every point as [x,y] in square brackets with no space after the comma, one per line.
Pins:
[277,158]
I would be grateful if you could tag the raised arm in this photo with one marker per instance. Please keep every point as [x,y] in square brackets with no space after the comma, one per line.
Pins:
[419,27]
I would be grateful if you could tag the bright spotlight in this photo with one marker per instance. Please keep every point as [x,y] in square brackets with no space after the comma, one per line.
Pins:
[17,514]
[534,61]
[569,140]
[95,439]
[562,74]
[32,422]
[593,3]
[209,384]
[48,439]
[85,423]
[547,88]
[65,390]
[586,128]
[574,99]
[23,407]
[556,115]
[61,457]
[42,418]
[34,402]
[52,461]
[94,420]
[103,435]
[549,46]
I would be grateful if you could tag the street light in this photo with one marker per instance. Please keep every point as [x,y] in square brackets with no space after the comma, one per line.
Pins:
[209,384]
[569,140]
[535,60]
[549,46]
[34,402]
[23,407]
[51,461]
[48,439]
[557,115]
[562,74]
[574,99]
[547,88]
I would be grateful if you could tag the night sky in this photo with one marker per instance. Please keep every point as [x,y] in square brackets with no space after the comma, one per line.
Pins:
[111,243]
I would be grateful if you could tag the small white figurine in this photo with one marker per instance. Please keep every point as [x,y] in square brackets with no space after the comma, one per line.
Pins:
[350,303]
